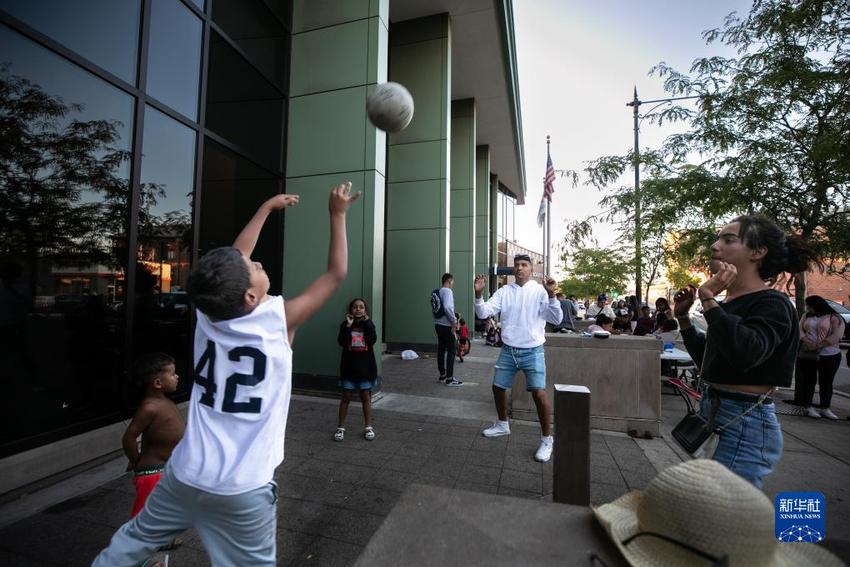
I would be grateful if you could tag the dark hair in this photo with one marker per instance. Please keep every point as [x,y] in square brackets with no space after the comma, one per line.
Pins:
[218,282]
[461,321]
[819,305]
[603,319]
[365,304]
[642,307]
[446,277]
[664,301]
[149,365]
[669,325]
[785,253]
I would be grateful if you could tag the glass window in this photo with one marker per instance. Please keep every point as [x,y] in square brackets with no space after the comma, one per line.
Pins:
[243,107]
[105,32]
[259,34]
[174,56]
[199,4]
[233,188]
[64,178]
[161,318]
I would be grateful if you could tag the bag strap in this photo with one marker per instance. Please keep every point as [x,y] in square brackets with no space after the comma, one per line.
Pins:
[715,404]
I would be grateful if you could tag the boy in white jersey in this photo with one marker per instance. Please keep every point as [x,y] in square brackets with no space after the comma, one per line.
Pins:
[219,477]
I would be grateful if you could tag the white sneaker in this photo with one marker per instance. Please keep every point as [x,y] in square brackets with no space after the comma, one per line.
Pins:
[812,412]
[498,429]
[827,413]
[544,452]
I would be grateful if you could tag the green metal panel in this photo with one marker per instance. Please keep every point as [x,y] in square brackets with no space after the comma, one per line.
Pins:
[426,87]
[463,178]
[306,237]
[330,140]
[461,262]
[331,58]
[312,14]
[482,210]
[416,204]
[327,132]
[417,238]
[415,261]
[463,202]
[462,231]
[417,161]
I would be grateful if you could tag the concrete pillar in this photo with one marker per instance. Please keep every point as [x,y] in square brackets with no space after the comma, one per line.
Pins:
[339,53]
[463,206]
[482,212]
[494,228]
[417,235]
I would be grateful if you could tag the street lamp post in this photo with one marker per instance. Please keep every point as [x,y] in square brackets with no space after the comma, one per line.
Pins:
[635,103]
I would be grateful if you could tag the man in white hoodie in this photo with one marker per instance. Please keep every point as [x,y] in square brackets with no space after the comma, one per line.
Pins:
[525,307]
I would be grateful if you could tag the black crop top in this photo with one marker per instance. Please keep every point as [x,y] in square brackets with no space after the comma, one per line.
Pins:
[752,339]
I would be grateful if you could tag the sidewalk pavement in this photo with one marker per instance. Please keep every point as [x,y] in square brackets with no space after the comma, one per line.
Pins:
[334,495]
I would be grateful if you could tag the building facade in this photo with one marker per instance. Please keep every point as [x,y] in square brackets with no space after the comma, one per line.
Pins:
[140,134]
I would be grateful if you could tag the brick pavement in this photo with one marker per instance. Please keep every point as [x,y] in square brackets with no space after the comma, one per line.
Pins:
[335,495]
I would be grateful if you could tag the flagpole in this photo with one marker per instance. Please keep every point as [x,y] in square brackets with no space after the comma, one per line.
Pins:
[548,240]
[546,232]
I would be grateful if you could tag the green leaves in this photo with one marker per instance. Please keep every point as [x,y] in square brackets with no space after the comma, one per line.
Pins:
[770,133]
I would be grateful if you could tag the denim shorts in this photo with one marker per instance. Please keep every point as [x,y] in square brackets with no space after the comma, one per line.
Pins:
[357,383]
[529,360]
[750,447]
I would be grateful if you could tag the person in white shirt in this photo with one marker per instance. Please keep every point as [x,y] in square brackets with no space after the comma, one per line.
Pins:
[600,307]
[219,477]
[525,307]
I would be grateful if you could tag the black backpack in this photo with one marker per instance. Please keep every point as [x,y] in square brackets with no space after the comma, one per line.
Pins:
[437,309]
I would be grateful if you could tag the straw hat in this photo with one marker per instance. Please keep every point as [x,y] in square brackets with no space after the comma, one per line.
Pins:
[704,505]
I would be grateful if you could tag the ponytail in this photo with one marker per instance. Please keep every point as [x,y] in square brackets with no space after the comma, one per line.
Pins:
[785,254]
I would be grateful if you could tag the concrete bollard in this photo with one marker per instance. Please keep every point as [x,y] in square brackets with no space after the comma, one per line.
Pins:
[571,454]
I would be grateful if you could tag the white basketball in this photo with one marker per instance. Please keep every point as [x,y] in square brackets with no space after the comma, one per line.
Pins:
[390,107]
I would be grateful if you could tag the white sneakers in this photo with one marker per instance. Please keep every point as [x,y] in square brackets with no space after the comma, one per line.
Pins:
[544,452]
[812,412]
[498,429]
[827,413]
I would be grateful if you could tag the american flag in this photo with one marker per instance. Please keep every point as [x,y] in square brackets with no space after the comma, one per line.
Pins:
[548,188]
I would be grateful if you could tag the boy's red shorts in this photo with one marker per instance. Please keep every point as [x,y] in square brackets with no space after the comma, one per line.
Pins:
[145,480]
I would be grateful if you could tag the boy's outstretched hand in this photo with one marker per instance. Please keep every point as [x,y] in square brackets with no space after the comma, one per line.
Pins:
[341,198]
[279,202]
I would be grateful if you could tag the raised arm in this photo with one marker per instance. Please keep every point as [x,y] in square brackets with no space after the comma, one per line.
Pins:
[489,308]
[552,311]
[693,339]
[301,308]
[247,239]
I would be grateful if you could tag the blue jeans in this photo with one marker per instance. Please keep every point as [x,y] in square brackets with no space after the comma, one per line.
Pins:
[752,445]
[529,360]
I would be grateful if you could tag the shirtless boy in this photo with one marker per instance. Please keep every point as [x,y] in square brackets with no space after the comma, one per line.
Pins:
[158,422]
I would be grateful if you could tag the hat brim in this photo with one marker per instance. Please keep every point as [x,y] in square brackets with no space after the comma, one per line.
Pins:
[619,518]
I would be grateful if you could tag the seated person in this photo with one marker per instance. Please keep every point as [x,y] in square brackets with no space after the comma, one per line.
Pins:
[600,307]
[644,322]
[603,323]
[669,332]
[623,319]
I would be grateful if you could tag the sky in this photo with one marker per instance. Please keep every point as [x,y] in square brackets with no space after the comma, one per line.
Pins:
[578,64]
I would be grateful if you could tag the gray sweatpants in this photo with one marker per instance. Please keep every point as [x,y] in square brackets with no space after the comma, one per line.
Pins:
[237,530]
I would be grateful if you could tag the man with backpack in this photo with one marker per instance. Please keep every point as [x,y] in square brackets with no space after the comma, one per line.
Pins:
[443,310]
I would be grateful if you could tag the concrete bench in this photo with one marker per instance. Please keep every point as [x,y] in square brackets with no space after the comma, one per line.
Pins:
[622,371]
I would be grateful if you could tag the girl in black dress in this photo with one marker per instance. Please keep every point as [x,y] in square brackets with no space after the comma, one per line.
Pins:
[358,371]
